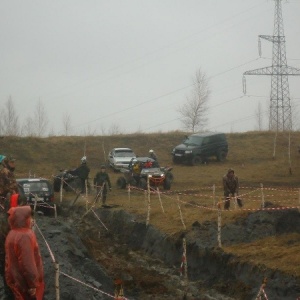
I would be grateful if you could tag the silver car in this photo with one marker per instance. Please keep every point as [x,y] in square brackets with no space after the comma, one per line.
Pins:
[120,158]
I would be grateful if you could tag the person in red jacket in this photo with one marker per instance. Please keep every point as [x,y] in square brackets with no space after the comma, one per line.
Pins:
[24,271]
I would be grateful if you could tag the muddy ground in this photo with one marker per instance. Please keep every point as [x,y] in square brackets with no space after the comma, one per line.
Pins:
[106,244]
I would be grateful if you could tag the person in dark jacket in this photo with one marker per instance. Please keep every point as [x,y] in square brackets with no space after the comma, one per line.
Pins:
[231,188]
[152,154]
[102,184]
[82,172]
[24,271]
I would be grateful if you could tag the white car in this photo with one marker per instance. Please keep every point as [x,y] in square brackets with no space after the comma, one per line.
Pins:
[120,158]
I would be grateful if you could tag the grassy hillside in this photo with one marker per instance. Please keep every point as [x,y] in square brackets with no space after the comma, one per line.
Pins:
[250,154]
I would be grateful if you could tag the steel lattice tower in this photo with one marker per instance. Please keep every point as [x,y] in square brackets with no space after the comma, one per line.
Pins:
[280,106]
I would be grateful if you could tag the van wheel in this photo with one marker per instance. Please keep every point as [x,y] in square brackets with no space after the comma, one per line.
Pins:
[197,160]
[221,156]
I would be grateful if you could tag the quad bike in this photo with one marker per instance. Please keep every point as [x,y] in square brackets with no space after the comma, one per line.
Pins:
[71,181]
[146,169]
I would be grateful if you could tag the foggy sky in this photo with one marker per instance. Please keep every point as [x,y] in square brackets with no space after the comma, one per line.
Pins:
[129,64]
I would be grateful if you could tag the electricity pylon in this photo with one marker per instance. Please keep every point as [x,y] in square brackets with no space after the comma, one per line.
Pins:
[280,106]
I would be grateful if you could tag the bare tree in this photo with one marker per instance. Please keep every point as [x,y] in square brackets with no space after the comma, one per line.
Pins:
[88,131]
[193,112]
[67,124]
[10,119]
[114,129]
[40,119]
[259,117]
[28,128]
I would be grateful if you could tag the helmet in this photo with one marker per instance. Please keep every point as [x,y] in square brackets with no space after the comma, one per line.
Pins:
[151,151]
[102,167]
[83,160]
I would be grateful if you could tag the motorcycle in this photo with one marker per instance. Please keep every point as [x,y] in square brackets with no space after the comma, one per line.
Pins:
[70,181]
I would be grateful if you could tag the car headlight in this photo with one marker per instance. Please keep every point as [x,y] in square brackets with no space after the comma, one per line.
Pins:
[173,151]
[188,151]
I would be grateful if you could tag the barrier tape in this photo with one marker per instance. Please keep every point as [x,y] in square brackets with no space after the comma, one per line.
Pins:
[261,291]
[99,219]
[153,191]
[78,194]
[49,249]
[73,278]
[245,209]
[90,286]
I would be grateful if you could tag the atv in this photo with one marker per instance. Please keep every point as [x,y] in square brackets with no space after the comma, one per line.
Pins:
[70,179]
[142,168]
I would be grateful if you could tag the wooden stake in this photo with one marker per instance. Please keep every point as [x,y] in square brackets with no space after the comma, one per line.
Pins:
[219,224]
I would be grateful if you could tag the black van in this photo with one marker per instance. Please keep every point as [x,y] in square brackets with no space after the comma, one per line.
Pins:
[198,147]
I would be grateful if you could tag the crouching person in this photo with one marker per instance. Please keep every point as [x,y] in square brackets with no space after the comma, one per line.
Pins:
[23,263]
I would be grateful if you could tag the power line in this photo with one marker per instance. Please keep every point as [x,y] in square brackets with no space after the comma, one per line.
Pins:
[159,97]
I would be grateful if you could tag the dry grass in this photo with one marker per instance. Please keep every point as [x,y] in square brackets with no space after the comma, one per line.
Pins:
[250,154]
[280,253]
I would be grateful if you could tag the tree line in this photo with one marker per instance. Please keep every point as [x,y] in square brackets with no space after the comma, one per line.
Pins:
[193,114]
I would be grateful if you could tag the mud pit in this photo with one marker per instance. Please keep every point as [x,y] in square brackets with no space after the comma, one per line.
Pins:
[148,261]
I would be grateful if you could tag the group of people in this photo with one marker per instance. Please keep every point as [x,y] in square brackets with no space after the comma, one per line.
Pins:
[21,265]
[101,180]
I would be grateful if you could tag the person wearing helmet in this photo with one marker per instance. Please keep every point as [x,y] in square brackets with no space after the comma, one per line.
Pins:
[231,188]
[152,154]
[102,184]
[82,172]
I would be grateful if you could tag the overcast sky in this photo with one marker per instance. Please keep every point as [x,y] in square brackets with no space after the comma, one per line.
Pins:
[129,64]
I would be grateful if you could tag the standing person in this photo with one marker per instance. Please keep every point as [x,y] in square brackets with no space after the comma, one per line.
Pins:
[8,183]
[24,271]
[83,173]
[231,188]
[152,154]
[8,189]
[102,182]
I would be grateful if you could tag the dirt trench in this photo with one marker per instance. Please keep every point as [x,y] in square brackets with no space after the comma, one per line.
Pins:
[148,261]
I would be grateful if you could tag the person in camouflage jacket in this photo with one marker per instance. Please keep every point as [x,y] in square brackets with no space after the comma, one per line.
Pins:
[231,188]
[8,183]
[8,186]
